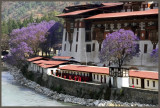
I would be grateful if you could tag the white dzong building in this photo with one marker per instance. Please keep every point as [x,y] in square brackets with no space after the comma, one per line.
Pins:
[86,26]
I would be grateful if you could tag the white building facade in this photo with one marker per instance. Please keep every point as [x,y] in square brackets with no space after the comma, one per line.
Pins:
[83,37]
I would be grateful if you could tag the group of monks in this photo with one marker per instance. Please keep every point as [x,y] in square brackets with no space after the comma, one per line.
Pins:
[73,77]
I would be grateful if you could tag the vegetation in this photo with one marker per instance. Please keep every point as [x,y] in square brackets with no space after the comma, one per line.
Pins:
[154,55]
[8,26]
[119,46]
[26,42]
[18,14]
[20,10]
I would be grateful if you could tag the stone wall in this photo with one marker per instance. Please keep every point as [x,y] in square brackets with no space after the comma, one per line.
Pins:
[93,91]
[135,95]
[65,86]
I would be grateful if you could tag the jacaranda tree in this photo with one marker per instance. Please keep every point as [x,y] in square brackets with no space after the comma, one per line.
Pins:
[154,55]
[25,42]
[119,46]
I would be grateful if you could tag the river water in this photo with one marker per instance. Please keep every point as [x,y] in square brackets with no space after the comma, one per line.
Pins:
[13,94]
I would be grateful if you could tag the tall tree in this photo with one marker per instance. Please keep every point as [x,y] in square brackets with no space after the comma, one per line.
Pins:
[119,46]
[25,42]
[31,20]
[10,22]
[4,27]
[14,24]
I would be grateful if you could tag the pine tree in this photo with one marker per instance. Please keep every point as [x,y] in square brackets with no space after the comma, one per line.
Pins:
[14,24]
[10,25]
[37,20]
[4,27]
[31,18]
[19,23]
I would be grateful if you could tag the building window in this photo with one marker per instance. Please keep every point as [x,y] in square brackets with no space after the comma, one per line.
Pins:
[132,81]
[88,48]
[51,71]
[93,35]
[137,81]
[146,34]
[148,83]
[93,48]
[136,7]
[70,47]
[153,83]
[94,76]
[97,77]
[138,33]
[143,7]
[137,48]
[64,47]
[88,36]
[77,25]
[125,8]
[154,46]
[99,47]
[66,36]
[76,47]
[77,37]
[145,48]
[88,26]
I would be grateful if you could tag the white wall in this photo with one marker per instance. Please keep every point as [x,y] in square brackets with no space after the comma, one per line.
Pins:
[151,84]
[80,55]
[144,58]
[99,78]
[122,82]
[49,71]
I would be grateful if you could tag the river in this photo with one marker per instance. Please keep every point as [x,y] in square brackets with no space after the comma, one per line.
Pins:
[13,94]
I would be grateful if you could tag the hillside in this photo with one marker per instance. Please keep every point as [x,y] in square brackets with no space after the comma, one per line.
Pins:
[20,10]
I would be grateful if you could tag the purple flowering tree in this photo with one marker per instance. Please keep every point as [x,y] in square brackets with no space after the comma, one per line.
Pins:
[154,55]
[25,42]
[119,46]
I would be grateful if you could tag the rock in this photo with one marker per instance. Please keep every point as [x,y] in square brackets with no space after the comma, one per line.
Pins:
[101,104]
[96,102]
[68,99]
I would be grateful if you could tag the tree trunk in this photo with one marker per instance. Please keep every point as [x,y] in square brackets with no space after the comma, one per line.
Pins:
[49,53]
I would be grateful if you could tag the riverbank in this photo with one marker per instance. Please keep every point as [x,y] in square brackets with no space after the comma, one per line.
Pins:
[67,98]
[14,94]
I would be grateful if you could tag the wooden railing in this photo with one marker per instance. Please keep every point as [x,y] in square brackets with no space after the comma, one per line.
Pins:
[118,72]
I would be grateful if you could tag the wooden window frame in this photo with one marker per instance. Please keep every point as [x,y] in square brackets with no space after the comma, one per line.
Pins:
[66,36]
[77,36]
[94,35]
[154,46]
[70,47]
[64,47]
[100,47]
[148,83]
[77,25]
[93,47]
[132,80]
[154,84]
[88,36]
[145,48]
[88,47]
[76,48]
